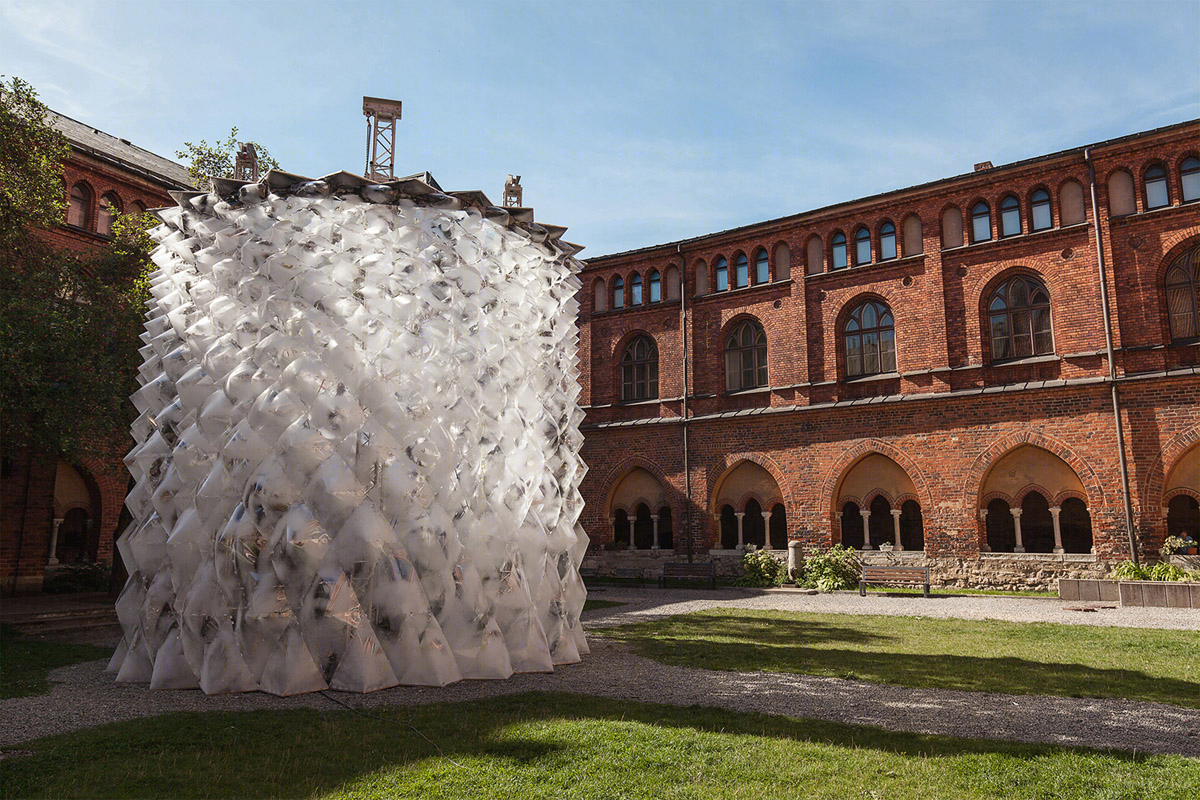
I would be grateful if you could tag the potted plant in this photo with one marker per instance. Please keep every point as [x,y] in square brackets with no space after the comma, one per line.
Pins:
[1192,546]
[1174,544]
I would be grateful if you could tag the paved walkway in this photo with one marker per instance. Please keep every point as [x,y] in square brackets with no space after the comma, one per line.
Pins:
[90,697]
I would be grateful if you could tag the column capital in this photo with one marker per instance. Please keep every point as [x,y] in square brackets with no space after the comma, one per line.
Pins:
[1016,512]
[739,514]
[1055,510]
[766,514]
[654,517]
[896,513]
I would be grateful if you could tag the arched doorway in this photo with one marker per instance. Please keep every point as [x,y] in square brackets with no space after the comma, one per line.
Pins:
[1036,524]
[666,533]
[1181,485]
[755,528]
[879,478]
[747,489]
[631,502]
[852,526]
[643,528]
[779,537]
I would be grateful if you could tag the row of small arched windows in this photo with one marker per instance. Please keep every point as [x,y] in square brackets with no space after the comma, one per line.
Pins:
[80,212]
[1156,187]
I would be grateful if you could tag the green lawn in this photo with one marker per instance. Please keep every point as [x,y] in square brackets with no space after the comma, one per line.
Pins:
[563,746]
[25,663]
[983,655]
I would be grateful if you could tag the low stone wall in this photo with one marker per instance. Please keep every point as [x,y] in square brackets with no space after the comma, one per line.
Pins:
[728,562]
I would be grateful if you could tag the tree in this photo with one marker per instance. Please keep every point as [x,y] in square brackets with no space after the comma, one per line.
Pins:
[31,158]
[207,161]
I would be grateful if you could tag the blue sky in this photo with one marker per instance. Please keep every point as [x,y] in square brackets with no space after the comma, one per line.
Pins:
[632,124]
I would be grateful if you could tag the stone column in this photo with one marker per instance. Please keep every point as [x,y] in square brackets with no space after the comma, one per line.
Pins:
[1016,512]
[795,558]
[984,547]
[896,527]
[54,543]
[654,519]
[632,540]
[766,530]
[1054,512]
[740,514]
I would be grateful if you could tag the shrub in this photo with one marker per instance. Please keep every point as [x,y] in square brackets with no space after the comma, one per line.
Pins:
[827,572]
[71,578]
[760,569]
[1128,571]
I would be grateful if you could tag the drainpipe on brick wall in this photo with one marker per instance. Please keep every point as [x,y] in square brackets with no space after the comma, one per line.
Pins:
[687,473]
[1112,364]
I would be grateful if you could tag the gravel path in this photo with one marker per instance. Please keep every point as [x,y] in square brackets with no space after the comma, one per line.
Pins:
[89,697]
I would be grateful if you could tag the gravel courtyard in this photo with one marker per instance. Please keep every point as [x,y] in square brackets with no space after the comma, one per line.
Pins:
[90,697]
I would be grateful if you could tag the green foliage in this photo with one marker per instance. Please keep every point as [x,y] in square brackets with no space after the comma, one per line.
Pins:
[1162,571]
[1177,544]
[761,570]
[31,157]
[206,161]
[838,568]
[25,663]
[71,578]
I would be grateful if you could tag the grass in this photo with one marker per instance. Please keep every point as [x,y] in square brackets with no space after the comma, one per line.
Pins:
[25,663]
[973,655]
[595,605]
[563,746]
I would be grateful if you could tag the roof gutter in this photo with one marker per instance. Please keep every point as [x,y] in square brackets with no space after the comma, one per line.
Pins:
[1112,364]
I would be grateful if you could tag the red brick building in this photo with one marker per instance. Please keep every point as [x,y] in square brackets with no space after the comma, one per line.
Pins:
[930,369]
[52,511]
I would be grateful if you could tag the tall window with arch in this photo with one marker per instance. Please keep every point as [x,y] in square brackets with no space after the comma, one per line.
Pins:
[869,337]
[981,222]
[741,271]
[862,247]
[1010,216]
[1183,296]
[722,269]
[887,241]
[599,295]
[746,357]
[839,250]
[654,284]
[1019,319]
[78,204]
[639,370]
[1189,179]
[635,290]
[618,290]
[762,268]
[1157,194]
[110,204]
[1039,210]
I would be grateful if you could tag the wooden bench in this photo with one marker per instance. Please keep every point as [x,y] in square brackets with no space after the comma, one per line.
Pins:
[589,573]
[881,574]
[689,573]
[629,574]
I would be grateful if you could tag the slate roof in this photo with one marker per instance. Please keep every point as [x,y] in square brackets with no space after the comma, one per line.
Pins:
[86,139]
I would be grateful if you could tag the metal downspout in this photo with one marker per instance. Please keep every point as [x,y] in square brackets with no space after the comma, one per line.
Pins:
[687,473]
[1112,365]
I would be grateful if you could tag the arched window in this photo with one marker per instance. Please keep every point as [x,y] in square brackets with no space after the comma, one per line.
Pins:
[643,528]
[912,528]
[701,278]
[1019,319]
[887,241]
[77,208]
[914,243]
[1075,526]
[621,532]
[880,528]
[952,225]
[1156,187]
[852,526]
[671,280]
[635,290]
[1071,208]
[814,255]
[1039,210]
[839,250]
[981,222]
[1001,529]
[1189,178]
[655,281]
[666,537]
[729,528]
[618,292]
[1183,517]
[783,262]
[137,208]
[762,271]
[870,340]
[778,527]
[722,268]
[109,204]
[862,247]
[599,295]
[1183,295]
[741,271]
[1120,194]
[639,370]
[1010,216]
[1037,525]
[746,357]
[754,527]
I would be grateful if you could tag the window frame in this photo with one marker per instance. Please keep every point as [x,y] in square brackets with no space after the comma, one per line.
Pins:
[836,242]
[1035,204]
[85,206]
[854,330]
[1160,181]
[862,237]
[746,359]
[741,271]
[721,274]
[978,214]
[109,204]
[762,267]
[1008,206]
[887,231]
[618,293]
[1191,172]
[635,290]
[639,370]
[1012,316]
[653,286]
[1188,288]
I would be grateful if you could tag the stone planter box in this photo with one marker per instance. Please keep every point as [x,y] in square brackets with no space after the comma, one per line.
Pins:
[1089,590]
[1160,594]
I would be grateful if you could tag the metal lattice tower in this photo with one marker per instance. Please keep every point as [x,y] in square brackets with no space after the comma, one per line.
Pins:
[513,191]
[245,167]
[381,137]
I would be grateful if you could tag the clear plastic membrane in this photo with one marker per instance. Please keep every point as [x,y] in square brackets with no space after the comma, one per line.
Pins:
[357,459]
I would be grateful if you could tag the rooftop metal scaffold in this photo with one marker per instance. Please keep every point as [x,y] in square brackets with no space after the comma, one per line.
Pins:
[381,117]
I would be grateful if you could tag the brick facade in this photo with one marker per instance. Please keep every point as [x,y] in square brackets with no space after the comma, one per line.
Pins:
[949,410]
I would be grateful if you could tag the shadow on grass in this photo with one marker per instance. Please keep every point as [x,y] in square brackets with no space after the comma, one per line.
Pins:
[564,739]
[25,663]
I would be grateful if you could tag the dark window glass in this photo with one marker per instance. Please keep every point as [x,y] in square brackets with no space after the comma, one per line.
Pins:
[870,340]
[1040,208]
[639,370]
[1010,216]
[839,250]
[1183,295]
[618,292]
[77,210]
[635,290]
[1156,187]
[741,272]
[1183,517]
[852,526]
[722,268]
[981,222]
[887,241]
[746,357]
[655,282]
[862,247]
[1189,176]
[109,205]
[1019,320]
[762,271]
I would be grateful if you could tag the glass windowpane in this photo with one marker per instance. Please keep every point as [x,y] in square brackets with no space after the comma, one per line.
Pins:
[887,245]
[887,353]
[1041,214]
[1190,178]
[1010,221]
[762,272]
